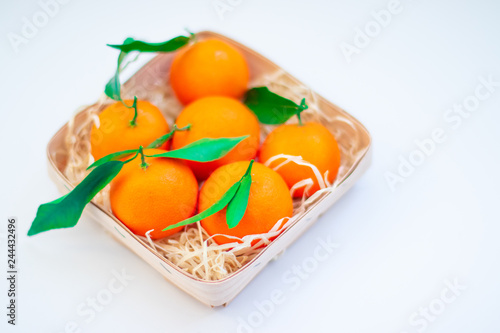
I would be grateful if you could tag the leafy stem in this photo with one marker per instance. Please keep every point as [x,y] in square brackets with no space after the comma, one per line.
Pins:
[133,122]
[185,128]
[235,198]
[113,87]
[192,35]
[161,140]
[203,150]
[66,211]
[303,106]
[144,165]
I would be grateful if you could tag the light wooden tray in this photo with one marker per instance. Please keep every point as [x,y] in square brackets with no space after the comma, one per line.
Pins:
[354,141]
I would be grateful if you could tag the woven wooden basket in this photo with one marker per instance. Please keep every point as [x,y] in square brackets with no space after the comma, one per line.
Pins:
[354,141]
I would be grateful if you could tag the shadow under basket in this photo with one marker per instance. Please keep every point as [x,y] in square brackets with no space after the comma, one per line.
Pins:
[353,139]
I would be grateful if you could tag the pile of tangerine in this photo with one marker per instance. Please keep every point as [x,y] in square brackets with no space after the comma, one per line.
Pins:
[209,78]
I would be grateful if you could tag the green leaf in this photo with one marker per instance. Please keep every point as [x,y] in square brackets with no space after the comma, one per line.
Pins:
[238,205]
[113,87]
[204,150]
[216,207]
[113,157]
[66,211]
[270,108]
[161,140]
[131,44]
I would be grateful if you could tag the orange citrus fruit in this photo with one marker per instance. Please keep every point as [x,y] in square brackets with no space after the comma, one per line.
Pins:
[313,142]
[115,132]
[218,117]
[163,194]
[269,201]
[208,68]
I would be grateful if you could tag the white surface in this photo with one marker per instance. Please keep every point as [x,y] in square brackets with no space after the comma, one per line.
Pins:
[396,248]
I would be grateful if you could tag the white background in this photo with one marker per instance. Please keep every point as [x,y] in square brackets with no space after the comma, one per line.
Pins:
[396,248]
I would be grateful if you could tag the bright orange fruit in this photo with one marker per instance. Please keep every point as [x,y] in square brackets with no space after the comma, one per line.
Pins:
[115,132]
[208,68]
[163,194]
[218,117]
[313,142]
[269,201]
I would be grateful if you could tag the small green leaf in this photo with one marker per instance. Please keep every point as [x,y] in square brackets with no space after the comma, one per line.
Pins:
[66,211]
[161,140]
[113,87]
[113,157]
[270,108]
[204,150]
[216,207]
[238,205]
[131,44]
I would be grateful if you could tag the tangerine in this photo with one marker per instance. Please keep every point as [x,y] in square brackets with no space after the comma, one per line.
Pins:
[207,68]
[164,193]
[115,132]
[269,201]
[218,117]
[313,142]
